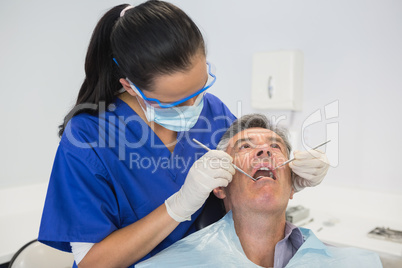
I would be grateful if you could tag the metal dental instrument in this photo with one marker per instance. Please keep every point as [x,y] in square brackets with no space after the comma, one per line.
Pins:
[236,167]
[290,160]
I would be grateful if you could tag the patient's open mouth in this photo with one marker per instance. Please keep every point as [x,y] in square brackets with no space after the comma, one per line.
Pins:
[264,172]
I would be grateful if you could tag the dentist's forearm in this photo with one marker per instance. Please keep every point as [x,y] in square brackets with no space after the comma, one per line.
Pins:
[126,246]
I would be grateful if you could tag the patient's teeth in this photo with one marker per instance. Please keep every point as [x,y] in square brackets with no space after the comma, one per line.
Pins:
[270,173]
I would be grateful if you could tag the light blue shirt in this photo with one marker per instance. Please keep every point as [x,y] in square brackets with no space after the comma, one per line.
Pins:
[218,246]
[314,253]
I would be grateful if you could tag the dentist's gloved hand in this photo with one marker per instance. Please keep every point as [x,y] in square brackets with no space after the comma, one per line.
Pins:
[212,170]
[310,168]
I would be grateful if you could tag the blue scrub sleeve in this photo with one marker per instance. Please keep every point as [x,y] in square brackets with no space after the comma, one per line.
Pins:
[80,205]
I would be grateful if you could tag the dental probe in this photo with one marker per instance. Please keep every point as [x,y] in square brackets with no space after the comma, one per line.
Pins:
[236,167]
[290,160]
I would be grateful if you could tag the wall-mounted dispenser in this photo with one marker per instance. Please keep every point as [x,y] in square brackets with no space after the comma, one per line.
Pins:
[277,80]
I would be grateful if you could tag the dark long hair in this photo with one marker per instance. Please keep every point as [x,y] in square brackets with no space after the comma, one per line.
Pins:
[151,39]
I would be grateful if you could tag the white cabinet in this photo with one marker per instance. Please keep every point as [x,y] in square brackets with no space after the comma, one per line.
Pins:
[277,80]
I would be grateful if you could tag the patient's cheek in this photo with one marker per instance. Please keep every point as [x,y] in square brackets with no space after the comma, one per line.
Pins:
[243,159]
[279,158]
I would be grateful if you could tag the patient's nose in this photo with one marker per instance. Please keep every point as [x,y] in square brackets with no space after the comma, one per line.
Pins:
[264,153]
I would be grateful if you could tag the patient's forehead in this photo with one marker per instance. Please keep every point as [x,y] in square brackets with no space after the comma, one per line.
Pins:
[257,135]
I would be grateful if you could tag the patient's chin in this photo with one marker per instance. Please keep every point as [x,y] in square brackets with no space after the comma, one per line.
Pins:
[265,200]
[269,200]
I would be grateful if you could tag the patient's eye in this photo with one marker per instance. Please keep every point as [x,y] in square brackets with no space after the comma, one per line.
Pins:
[275,145]
[244,146]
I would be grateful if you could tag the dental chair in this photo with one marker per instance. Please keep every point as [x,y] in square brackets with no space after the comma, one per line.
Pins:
[212,212]
[37,255]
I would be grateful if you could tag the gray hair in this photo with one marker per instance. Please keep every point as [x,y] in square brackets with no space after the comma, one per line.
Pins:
[252,121]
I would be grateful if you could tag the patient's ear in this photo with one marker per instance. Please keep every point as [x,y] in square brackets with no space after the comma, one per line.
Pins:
[292,193]
[220,192]
[292,176]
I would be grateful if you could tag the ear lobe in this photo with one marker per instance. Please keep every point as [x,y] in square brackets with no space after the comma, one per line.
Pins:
[219,192]
[292,193]
[127,87]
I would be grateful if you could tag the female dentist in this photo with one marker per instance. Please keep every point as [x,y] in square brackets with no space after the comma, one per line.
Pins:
[126,182]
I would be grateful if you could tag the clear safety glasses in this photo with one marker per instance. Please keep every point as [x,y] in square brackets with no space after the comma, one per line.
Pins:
[156,103]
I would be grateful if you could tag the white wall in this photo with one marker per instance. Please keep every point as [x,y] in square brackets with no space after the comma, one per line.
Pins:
[42,51]
[352,52]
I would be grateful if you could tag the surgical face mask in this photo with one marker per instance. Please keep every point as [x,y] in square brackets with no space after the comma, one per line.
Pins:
[181,118]
[171,116]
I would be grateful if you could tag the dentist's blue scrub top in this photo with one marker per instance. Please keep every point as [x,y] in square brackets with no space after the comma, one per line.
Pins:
[111,170]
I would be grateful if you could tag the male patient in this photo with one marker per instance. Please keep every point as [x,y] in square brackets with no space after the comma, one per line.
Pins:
[254,232]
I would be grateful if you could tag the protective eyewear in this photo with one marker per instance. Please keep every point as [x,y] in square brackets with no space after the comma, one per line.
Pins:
[156,103]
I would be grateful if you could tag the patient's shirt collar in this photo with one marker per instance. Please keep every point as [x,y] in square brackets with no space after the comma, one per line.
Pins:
[312,242]
[288,246]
